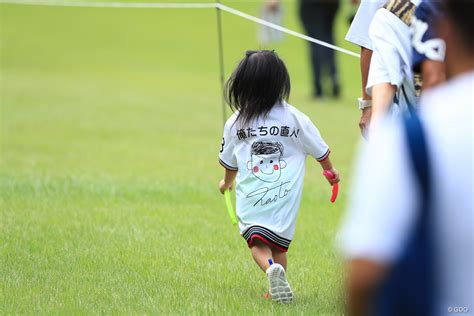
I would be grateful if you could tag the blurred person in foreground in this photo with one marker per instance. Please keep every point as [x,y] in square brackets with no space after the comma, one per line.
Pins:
[389,193]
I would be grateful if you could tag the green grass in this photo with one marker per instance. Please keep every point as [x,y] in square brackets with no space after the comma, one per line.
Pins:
[111,123]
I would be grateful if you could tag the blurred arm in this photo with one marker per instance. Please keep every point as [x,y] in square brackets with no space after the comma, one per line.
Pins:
[365,57]
[363,280]
[433,73]
[381,213]
[382,98]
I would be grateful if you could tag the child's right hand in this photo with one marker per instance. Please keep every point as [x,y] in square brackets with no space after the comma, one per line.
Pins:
[224,186]
[335,179]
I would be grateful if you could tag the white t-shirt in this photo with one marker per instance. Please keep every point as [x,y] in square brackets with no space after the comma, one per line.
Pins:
[359,30]
[392,58]
[385,196]
[270,155]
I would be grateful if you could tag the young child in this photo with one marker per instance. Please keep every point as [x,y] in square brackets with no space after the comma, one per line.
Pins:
[264,148]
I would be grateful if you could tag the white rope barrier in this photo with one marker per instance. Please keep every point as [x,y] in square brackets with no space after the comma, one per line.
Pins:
[154,5]
[284,29]
[136,5]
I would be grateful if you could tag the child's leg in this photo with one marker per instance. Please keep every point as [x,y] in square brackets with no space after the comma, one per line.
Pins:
[278,287]
[261,253]
[279,257]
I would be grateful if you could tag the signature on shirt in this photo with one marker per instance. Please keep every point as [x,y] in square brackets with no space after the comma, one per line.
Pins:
[269,195]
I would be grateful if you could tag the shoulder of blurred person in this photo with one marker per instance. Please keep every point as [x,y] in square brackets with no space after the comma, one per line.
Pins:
[390,38]
[428,48]
[426,42]
[391,64]
[359,30]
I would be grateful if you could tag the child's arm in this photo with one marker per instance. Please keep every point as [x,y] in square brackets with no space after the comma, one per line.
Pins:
[326,164]
[228,180]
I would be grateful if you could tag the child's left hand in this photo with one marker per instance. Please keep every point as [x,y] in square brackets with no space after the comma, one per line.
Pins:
[224,186]
[336,178]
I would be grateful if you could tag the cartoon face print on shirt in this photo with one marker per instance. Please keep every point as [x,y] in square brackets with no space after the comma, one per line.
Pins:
[265,161]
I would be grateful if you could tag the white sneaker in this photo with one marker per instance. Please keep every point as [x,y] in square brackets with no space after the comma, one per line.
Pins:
[279,289]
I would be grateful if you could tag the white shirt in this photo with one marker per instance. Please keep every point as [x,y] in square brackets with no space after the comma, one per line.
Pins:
[385,197]
[359,30]
[392,58]
[270,155]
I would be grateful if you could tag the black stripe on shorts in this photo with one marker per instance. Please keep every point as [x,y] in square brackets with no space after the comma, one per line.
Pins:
[269,236]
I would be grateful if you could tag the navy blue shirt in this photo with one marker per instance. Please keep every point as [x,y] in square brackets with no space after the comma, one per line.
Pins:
[426,43]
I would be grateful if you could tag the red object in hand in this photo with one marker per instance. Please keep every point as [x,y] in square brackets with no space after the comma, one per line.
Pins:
[335,187]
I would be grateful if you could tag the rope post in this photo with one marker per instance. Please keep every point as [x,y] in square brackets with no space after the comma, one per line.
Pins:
[221,59]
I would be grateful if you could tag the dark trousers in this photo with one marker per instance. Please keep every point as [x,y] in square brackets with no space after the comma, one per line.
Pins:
[318,20]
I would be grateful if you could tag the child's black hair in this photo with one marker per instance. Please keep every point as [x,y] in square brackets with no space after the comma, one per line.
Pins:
[266,148]
[259,82]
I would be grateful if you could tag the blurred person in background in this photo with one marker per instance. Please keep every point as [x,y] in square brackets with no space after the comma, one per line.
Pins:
[272,12]
[396,54]
[390,193]
[390,80]
[358,34]
[318,18]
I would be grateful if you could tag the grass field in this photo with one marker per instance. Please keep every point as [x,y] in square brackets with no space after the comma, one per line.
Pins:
[111,124]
